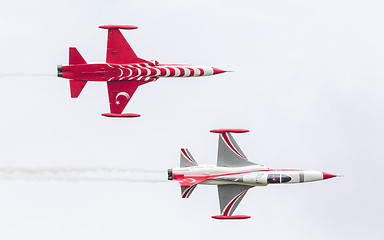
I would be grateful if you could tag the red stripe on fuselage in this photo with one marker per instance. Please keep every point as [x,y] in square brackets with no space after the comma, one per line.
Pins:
[202,178]
[201,72]
[145,72]
[153,71]
[163,72]
[199,179]
[172,71]
[135,72]
[182,71]
[192,72]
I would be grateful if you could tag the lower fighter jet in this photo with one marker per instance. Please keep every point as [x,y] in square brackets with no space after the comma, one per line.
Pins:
[234,174]
[123,71]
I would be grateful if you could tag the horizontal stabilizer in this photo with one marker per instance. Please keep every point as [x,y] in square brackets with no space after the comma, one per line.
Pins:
[75,57]
[76,87]
[186,159]
[186,191]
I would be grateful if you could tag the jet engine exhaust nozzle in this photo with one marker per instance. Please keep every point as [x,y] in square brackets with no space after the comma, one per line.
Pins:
[170,173]
[59,70]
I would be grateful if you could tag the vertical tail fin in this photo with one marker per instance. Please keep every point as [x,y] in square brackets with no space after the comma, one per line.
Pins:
[76,85]
[186,159]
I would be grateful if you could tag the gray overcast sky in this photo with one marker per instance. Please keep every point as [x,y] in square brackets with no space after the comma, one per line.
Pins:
[307,81]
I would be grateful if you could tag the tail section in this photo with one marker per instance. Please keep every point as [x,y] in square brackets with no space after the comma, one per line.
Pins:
[186,191]
[186,159]
[187,183]
[75,57]
[76,85]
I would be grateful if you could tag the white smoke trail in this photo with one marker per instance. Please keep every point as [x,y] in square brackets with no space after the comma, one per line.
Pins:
[26,75]
[83,174]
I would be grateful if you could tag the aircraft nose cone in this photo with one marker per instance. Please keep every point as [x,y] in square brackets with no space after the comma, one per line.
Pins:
[328,175]
[217,71]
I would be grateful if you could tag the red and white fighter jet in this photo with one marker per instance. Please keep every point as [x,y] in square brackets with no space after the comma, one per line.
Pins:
[234,174]
[123,71]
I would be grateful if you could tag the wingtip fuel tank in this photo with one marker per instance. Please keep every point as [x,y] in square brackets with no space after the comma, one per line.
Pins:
[125,27]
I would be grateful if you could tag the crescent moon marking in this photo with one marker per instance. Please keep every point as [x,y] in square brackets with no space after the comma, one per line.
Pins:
[191,179]
[126,95]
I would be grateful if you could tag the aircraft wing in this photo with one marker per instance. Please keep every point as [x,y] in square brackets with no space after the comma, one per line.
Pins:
[230,196]
[229,153]
[118,49]
[120,92]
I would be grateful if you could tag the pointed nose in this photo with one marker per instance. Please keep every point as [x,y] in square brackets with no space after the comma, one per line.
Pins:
[328,175]
[217,71]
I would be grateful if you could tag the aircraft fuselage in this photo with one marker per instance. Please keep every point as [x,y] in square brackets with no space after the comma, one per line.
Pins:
[257,175]
[138,71]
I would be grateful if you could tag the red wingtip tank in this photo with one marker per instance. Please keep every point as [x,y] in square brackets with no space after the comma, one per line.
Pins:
[125,27]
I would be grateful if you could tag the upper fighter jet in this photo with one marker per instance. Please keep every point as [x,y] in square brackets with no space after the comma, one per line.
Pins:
[123,71]
[234,174]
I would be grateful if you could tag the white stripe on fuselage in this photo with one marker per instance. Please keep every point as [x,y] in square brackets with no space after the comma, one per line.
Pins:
[167,72]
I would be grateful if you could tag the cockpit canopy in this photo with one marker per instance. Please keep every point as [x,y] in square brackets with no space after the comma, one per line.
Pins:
[278,178]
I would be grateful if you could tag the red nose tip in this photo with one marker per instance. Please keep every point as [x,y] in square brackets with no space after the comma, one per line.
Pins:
[217,71]
[328,175]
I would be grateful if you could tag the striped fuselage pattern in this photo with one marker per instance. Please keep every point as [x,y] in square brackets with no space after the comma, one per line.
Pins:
[138,72]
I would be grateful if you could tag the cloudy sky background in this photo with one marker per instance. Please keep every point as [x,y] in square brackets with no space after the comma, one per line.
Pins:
[307,81]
